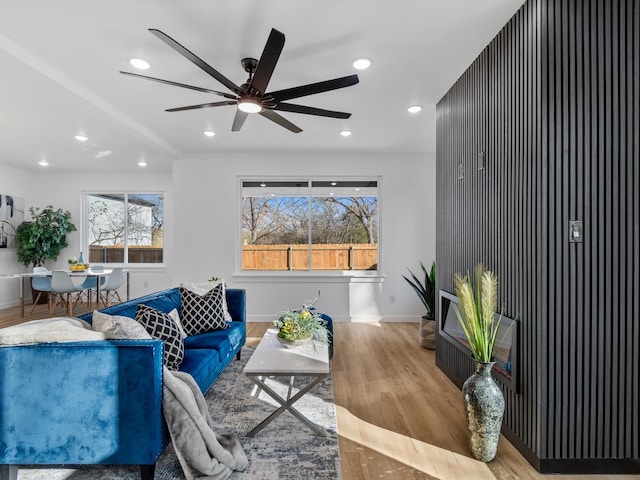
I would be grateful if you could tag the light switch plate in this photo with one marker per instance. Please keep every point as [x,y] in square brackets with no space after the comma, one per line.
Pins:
[575,231]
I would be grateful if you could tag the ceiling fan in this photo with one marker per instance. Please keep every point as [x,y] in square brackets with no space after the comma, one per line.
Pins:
[251,96]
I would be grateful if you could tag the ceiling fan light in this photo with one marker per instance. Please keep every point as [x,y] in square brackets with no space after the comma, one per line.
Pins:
[249,105]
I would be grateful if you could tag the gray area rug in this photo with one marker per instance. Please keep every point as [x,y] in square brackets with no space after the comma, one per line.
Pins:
[284,450]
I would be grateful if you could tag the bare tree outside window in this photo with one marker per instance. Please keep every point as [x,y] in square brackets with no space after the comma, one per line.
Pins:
[322,230]
[136,236]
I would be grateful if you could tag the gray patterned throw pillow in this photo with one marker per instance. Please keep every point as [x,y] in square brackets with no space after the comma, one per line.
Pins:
[202,313]
[161,326]
[116,326]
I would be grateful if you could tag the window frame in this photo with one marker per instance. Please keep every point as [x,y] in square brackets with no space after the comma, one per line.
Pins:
[84,226]
[309,274]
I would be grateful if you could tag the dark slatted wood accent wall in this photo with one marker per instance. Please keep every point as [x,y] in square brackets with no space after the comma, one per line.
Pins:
[553,103]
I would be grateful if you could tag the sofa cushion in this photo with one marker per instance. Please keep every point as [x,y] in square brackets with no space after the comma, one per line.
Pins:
[47,330]
[202,313]
[161,326]
[175,316]
[204,287]
[118,326]
[164,301]
[202,365]
[224,341]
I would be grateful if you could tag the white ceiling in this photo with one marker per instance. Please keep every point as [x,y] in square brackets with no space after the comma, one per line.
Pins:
[59,63]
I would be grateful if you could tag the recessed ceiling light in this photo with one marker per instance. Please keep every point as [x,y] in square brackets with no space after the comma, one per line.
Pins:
[362,64]
[333,184]
[209,133]
[345,133]
[43,163]
[357,189]
[263,184]
[81,138]
[142,163]
[414,109]
[139,63]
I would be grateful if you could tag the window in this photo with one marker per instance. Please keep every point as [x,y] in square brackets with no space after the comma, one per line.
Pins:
[125,227]
[309,225]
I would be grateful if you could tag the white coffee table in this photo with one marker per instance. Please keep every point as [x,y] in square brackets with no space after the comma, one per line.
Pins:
[272,359]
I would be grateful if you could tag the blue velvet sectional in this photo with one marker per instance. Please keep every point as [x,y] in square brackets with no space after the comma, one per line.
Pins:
[100,402]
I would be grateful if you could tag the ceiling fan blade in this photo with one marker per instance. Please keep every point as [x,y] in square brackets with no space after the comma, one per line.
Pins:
[280,120]
[268,59]
[238,120]
[196,60]
[313,88]
[176,84]
[290,107]
[202,105]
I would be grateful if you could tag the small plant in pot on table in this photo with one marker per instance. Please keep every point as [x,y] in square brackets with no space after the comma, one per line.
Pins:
[296,327]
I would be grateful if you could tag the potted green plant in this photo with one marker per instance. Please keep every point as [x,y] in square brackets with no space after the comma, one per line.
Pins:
[426,291]
[44,236]
[484,401]
[296,327]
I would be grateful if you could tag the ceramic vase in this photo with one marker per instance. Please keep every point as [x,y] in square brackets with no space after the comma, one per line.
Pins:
[484,409]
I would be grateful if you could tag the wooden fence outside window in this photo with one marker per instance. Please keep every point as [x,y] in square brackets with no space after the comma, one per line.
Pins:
[115,254]
[323,257]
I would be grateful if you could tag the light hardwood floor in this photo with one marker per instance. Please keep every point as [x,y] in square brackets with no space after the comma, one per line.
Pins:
[399,417]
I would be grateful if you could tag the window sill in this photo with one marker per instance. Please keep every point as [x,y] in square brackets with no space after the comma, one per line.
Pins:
[135,266]
[309,277]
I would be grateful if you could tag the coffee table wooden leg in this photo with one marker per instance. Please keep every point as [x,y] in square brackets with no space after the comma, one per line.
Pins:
[287,404]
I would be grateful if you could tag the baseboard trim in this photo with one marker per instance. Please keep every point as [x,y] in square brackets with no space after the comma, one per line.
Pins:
[589,466]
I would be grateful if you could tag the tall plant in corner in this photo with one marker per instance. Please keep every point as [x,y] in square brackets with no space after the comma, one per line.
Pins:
[483,399]
[425,288]
[44,236]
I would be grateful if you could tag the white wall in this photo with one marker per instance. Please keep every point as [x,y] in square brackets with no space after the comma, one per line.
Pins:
[18,183]
[65,191]
[206,231]
[202,228]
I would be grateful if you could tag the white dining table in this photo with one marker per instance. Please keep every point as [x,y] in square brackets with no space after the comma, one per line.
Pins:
[83,273]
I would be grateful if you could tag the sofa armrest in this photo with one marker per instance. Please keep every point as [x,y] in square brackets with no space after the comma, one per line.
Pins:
[236,304]
[97,402]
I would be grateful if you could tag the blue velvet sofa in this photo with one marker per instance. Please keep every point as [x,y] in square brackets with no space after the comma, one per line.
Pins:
[100,402]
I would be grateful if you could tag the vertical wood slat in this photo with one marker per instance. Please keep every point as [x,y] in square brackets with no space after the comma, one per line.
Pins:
[559,91]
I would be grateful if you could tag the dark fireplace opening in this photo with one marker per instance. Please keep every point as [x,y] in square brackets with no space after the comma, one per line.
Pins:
[505,351]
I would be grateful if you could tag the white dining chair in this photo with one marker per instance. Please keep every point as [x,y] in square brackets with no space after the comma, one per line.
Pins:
[65,291]
[43,286]
[91,283]
[110,288]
